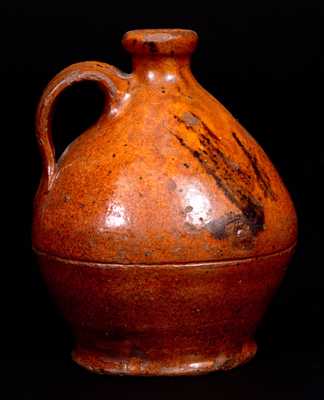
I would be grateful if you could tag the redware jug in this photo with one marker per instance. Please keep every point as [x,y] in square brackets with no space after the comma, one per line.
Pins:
[163,231]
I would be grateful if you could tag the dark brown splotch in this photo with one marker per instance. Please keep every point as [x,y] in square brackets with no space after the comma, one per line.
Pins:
[235,227]
[262,177]
[218,228]
[152,47]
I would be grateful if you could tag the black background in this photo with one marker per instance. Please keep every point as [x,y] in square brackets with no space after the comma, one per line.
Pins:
[263,62]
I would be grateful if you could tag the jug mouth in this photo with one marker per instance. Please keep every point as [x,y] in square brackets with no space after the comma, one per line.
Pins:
[153,42]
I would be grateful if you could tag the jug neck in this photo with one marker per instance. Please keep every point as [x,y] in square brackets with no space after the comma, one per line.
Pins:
[161,69]
[160,55]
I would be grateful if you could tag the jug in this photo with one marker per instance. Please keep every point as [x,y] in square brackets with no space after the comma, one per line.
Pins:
[163,231]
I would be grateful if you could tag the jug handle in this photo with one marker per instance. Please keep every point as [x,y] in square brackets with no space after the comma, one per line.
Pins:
[111,80]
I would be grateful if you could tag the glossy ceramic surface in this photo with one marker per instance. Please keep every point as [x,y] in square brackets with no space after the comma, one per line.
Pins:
[165,180]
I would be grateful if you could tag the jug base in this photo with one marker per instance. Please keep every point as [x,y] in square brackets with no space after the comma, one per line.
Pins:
[166,319]
[101,363]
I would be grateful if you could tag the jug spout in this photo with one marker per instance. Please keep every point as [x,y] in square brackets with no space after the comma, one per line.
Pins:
[158,42]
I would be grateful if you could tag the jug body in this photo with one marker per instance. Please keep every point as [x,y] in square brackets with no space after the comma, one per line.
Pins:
[164,230]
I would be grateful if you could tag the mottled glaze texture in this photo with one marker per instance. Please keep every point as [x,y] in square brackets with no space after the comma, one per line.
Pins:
[164,207]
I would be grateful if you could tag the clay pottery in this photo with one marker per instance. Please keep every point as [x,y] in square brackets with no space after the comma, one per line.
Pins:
[163,231]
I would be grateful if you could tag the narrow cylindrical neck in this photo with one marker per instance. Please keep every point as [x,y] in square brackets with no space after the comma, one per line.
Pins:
[160,68]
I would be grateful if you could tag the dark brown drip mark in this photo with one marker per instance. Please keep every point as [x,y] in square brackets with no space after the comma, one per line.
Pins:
[178,119]
[206,128]
[183,76]
[194,123]
[217,155]
[182,93]
[262,177]
[228,177]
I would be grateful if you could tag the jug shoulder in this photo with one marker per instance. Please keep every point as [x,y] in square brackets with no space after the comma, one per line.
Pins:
[177,181]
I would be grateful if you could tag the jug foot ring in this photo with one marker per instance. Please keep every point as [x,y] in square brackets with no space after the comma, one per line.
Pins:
[101,363]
